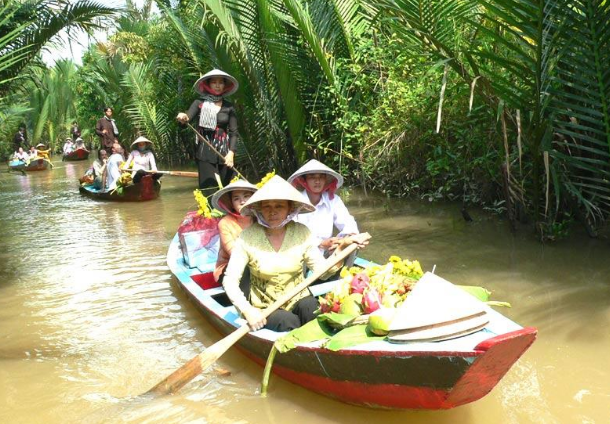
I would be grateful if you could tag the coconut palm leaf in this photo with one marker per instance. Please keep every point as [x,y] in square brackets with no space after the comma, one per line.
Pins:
[581,104]
[45,19]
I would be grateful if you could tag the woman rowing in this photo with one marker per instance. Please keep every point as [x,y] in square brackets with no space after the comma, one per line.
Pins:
[275,249]
[217,123]
[318,184]
[141,159]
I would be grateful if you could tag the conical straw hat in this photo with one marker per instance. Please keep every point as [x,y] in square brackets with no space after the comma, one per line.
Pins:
[435,303]
[278,188]
[141,139]
[316,167]
[222,199]
[230,88]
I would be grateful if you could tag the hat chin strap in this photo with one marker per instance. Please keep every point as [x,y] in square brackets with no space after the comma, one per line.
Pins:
[261,220]
[228,210]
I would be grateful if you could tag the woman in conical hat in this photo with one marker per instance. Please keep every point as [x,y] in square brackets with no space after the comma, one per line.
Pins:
[275,249]
[217,123]
[318,184]
[141,159]
[230,200]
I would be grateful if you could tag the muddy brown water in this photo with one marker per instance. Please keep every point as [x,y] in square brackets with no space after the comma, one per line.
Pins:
[91,316]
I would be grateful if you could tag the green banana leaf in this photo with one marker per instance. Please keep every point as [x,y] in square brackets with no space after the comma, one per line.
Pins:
[479,292]
[351,336]
[312,331]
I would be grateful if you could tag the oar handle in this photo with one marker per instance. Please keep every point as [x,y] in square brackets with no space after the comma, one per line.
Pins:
[202,138]
[195,366]
[328,263]
[172,173]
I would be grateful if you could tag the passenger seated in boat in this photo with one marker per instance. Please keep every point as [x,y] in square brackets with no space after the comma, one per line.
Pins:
[98,168]
[21,155]
[41,151]
[33,153]
[68,146]
[275,249]
[318,184]
[142,159]
[79,143]
[230,200]
[113,171]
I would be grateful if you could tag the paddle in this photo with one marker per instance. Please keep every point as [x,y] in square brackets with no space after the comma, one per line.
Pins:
[202,138]
[202,361]
[172,173]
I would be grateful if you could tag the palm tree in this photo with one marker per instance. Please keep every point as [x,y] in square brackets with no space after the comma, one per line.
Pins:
[540,65]
[27,26]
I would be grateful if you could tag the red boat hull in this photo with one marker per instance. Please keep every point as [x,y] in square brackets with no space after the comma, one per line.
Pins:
[78,154]
[146,189]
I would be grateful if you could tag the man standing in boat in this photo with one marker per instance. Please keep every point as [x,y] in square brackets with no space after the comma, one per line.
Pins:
[75,131]
[107,130]
[20,139]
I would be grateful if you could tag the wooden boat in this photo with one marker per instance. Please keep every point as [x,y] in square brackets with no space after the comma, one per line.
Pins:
[36,164]
[78,154]
[379,374]
[146,189]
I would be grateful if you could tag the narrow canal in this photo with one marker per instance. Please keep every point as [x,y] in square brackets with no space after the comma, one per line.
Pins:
[91,316]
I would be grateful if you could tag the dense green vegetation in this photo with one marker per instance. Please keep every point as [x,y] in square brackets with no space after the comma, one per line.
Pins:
[502,103]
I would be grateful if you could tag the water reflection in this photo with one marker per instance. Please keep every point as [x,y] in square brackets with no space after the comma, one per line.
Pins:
[90,316]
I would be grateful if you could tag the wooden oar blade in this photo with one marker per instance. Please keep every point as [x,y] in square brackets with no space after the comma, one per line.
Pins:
[179,378]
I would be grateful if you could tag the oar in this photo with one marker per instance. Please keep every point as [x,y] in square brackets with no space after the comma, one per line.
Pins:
[202,361]
[202,138]
[172,173]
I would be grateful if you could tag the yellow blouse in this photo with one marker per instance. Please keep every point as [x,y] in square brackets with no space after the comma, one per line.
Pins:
[272,273]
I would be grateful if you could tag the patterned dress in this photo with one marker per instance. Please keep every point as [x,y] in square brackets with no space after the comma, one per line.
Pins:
[272,273]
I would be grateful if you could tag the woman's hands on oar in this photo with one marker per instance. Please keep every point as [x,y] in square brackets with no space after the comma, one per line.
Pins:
[195,366]
[228,159]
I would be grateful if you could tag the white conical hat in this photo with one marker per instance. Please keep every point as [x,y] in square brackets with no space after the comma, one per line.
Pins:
[278,188]
[316,167]
[230,88]
[141,139]
[221,197]
[437,308]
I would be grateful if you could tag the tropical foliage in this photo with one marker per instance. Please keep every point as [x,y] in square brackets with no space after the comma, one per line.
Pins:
[503,103]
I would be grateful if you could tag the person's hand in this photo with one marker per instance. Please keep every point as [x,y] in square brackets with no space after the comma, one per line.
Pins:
[255,318]
[104,131]
[330,243]
[360,239]
[229,159]
[182,117]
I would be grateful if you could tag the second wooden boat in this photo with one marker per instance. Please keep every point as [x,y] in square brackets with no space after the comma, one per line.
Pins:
[146,189]
[36,164]
[78,154]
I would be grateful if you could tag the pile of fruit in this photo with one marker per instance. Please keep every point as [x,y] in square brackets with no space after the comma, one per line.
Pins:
[363,291]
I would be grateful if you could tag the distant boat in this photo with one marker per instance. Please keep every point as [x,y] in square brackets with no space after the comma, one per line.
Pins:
[378,374]
[36,164]
[146,189]
[78,154]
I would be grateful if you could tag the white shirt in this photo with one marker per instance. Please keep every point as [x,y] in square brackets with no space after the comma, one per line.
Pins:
[113,173]
[328,214]
[145,161]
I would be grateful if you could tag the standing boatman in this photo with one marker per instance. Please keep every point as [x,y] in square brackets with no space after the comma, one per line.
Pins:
[107,130]
[20,139]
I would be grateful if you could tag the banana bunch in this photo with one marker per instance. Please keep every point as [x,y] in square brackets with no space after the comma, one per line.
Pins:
[124,179]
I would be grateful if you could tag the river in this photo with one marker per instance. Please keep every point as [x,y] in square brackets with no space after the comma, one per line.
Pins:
[90,315]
